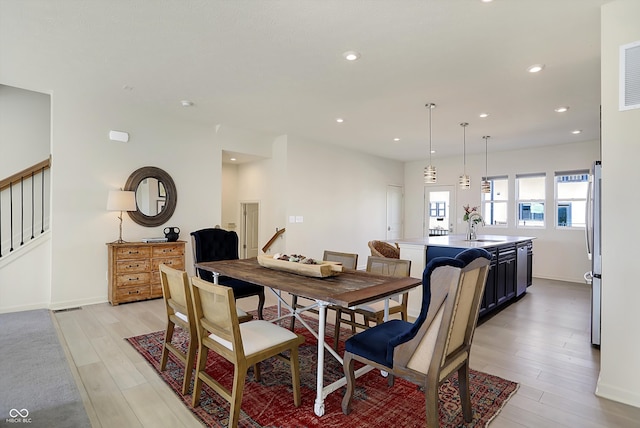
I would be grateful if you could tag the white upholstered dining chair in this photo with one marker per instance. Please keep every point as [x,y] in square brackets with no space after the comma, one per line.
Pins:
[244,345]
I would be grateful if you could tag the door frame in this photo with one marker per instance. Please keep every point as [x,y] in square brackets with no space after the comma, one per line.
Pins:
[399,208]
[242,232]
[452,216]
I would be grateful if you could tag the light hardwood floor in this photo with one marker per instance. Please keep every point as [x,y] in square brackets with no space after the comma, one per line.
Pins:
[541,341]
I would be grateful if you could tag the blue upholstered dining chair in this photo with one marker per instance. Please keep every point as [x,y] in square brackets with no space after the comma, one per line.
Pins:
[213,244]
[438,343]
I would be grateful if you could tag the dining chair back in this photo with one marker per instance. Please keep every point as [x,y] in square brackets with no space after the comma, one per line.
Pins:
[244,345]
[373,312]
[438,343]
[176,294]
[213,244]
[384,249]
[348,261]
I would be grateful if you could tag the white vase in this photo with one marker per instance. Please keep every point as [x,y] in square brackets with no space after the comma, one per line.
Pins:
[472,233]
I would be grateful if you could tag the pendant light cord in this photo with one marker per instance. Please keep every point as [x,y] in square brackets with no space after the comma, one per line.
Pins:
[430,107]
[464,147]
[486,163]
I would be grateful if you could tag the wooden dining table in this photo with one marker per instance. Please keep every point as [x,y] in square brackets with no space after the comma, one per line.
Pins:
[347,289]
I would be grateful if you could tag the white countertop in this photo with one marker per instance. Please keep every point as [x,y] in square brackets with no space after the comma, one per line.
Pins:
[459,241]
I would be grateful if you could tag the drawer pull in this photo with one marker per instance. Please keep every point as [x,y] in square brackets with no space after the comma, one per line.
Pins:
[134,279]
[134,292]
[132,266]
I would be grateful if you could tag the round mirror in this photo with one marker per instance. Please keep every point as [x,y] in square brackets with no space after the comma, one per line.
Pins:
[156,196]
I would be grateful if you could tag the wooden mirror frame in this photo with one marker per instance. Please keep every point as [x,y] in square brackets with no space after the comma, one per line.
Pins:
[171,199]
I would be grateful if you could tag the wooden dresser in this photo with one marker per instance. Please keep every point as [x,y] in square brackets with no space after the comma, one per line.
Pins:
[133,269]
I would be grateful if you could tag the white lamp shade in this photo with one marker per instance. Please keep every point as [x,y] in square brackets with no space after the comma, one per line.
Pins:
[464,182]
[430,174]
[121,200]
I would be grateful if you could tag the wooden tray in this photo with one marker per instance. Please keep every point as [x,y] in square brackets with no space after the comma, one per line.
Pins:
[322,270]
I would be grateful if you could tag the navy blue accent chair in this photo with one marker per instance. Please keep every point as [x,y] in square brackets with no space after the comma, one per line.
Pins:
[215,244]
[437,344]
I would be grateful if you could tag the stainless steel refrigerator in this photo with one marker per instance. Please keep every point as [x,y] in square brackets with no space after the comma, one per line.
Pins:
[593,235]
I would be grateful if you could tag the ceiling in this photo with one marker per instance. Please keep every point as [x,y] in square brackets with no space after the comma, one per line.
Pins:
[277,67]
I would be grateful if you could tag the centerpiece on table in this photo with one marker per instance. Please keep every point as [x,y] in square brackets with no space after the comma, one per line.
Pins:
[300,265]
[473,219]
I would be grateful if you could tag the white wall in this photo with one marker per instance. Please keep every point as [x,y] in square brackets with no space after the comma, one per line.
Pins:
[558,254]
[87,165]
[22,287]
[230,204]
[340,194]
[25,129]
[620,349]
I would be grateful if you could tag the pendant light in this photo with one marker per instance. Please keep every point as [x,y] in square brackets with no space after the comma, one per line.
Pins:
[486,184]
[464,181]
[430,171]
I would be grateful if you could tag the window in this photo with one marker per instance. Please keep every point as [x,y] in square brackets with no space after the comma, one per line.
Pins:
[571,198]
[438,209]
[494,204]
[530,192]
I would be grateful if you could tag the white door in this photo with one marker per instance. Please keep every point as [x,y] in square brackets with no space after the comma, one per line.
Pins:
[439,209]
[250,215]
[395,200]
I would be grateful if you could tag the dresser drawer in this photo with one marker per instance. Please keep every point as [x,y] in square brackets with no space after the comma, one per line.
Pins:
[172,262]
[137,252]
[168,250]
[140,278]
[130,294]
[156,290]
[132,266]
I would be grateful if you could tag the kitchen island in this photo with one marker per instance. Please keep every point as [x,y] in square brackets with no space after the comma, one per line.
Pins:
[509,274]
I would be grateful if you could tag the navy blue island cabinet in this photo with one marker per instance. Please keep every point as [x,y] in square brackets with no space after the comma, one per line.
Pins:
[510,271]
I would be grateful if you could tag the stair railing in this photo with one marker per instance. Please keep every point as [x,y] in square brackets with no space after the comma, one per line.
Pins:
[24,196]
[273,239]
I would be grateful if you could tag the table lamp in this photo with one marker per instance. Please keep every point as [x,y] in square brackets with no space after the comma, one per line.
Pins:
[121,200]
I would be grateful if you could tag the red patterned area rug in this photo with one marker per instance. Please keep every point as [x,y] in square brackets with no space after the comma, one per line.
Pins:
[269,403]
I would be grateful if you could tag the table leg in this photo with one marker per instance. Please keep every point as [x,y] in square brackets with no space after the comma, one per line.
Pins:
[319,405]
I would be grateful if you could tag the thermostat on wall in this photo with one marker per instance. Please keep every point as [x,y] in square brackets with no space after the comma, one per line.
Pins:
[119,136]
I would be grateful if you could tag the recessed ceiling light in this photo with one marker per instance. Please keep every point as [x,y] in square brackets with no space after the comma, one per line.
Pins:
[433,151]
[351,55]
[483,115]
[561,109]
[396,139]
[535,68]
[339,120]
[577,131]
[186,103]
[233,159]
[486,1]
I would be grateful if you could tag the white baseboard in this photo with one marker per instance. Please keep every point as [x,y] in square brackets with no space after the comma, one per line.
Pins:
[625,396]
[55,306]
